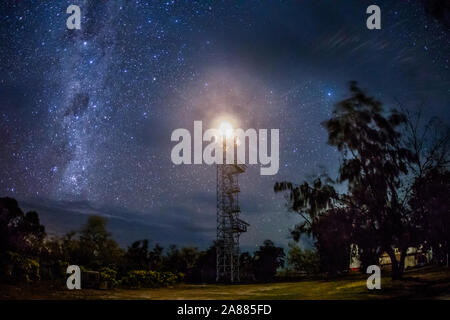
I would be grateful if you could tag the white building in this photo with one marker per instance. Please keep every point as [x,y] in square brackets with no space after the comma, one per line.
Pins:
[414,257]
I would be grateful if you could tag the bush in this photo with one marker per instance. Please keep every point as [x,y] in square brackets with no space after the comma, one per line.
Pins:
[21,268]
[53,270]
[150,279]
[108,276]
[306,261]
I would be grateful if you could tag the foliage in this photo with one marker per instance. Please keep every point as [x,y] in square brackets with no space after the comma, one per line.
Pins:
[108,275]
[431,199]
[329,225]
[374,161]
[376,167]
[21,239]
[205,267]
[21,268]
[19,232]
[246,267]
[150,279]
[333,233]
[96,247]
[303,260]
[138,256]
[267,260]
[183,260]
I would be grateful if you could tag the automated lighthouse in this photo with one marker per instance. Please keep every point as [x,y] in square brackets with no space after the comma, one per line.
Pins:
[229,225]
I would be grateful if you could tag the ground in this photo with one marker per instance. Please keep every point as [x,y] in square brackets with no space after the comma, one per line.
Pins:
[422,283]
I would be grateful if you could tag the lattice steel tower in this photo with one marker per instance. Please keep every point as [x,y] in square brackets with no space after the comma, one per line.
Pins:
[229,226]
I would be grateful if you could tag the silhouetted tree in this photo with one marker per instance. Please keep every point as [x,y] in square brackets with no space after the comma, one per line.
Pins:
[19,232]
[138,256]
[333,232]
[173,261]
[267,260]
[183,261]
[246,267]
[431,199]
[97,248]
[156,257]
[205,267]
[429,194]
[328,224]
[303,260]
[21,242]
[374,161]
[189,257]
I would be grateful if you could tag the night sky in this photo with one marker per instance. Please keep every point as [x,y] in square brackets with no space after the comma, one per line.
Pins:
[86,115]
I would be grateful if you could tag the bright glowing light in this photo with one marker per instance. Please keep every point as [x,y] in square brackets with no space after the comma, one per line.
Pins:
[226,129]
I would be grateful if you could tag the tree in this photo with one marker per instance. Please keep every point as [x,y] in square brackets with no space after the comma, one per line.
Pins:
[21,241]
[173,261]
[333,234]
[138,256]
[156,257]
[246,267]
[267,260]
[183,260]
[19,232]
[189,256]
[97,248]
[374,161]
[429,192]
[205,267]
[322,219]
[303,260]
[431,200]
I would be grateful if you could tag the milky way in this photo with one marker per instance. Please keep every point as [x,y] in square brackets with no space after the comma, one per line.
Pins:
[86,115]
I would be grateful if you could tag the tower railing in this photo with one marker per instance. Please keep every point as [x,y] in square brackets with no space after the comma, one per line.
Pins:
[229,225]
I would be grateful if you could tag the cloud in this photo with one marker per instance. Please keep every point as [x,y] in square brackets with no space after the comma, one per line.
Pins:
[170,225]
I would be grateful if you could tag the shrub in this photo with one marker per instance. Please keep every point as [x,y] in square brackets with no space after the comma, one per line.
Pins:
[303,260]
[150,279]
[22,268]
[108,275]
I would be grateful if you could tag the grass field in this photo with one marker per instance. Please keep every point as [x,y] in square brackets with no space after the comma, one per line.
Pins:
[423,283]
